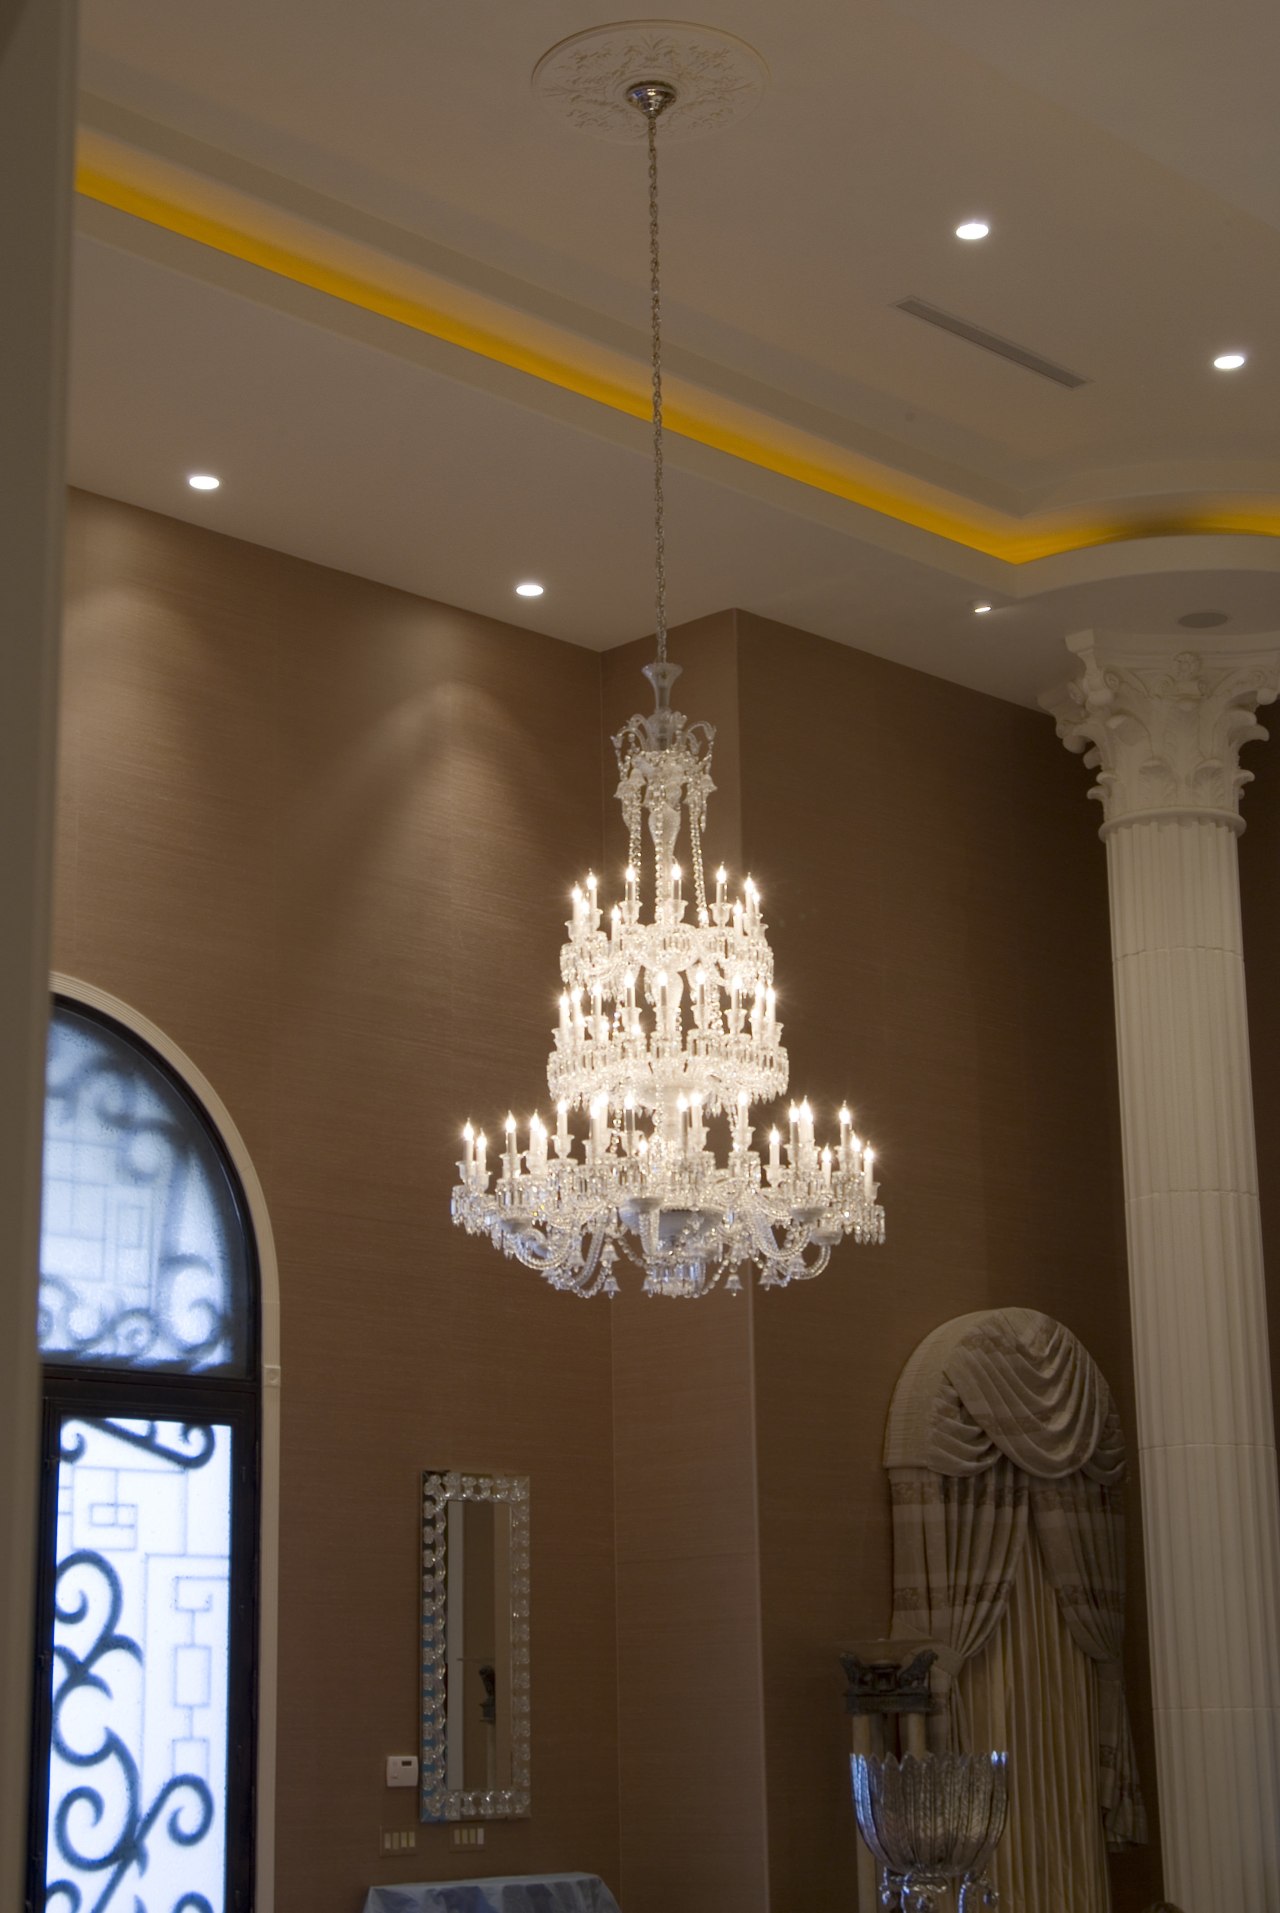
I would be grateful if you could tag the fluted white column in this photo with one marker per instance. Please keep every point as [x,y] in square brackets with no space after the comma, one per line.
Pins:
[1164,732]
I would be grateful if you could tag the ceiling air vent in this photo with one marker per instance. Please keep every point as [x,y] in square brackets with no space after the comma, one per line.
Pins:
[977,335]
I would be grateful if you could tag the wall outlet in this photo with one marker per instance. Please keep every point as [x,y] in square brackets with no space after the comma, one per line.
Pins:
[399,1839]
[468,1836]
[402,1770]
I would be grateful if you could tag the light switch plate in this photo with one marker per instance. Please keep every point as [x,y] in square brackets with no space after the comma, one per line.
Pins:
[402,1770]
[399,1840]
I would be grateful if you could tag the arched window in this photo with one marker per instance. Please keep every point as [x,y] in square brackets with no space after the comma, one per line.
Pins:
[143,1768]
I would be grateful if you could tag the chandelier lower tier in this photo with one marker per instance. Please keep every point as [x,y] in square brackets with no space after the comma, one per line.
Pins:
[668,1029]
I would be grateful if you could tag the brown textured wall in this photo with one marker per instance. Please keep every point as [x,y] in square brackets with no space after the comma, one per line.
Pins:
[318,830]
[299,814]
[937,901]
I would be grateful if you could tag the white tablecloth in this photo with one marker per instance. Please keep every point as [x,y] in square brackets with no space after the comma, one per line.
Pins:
[523,1893]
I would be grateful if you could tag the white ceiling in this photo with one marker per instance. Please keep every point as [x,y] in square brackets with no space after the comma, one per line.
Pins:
[1127,160]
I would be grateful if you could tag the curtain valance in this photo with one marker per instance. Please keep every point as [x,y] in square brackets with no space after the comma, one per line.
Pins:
[1008,1382]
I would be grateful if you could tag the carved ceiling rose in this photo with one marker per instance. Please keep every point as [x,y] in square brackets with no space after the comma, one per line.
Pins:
[584,80]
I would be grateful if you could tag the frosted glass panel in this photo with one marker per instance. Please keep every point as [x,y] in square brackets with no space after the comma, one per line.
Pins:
[138,1765]
[142,1253]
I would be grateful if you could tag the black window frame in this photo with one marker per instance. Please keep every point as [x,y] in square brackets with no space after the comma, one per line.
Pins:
[98,1391]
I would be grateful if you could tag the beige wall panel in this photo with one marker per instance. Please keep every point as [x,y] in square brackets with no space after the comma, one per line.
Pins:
[318,831]
[939,920]
[690,1703]
[1260,908]
[37,137]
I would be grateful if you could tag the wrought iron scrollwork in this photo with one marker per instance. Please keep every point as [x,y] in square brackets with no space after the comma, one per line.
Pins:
[130,1824]
[147,1437]
[141,1260]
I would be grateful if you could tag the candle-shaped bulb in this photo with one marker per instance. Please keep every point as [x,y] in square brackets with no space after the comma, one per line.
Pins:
[630,873]
[722,875]
[591,882]
[537,1144]
[846,1117]
[629,1101]
[510,1124]
[775,1137]
[468,1133]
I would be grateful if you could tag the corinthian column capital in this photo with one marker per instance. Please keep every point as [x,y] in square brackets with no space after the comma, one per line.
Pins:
[1163,727]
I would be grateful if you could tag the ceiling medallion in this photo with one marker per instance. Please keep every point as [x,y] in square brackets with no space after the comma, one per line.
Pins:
[669,1030]
[713,78]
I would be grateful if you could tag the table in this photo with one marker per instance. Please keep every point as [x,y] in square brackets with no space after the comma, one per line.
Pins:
[518,1893]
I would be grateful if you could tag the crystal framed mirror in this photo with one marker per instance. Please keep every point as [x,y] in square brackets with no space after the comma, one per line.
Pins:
[475,1647]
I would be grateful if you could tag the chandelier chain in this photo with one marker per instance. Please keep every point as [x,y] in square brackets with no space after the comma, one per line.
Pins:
[668,1037]
[655,320]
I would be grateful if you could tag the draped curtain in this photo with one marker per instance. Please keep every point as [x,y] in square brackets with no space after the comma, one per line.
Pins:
[1002,1422]
[1033,1691]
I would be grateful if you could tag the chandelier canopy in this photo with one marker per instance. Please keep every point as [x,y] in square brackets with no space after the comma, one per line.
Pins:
[668,1027]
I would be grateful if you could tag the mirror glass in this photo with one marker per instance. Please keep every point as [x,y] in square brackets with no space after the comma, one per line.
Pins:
[475,1646]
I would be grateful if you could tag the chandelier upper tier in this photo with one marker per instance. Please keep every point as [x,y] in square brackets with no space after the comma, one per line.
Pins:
[668,1037]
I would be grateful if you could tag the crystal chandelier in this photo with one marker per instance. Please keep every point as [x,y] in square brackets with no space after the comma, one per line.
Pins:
[668,1030]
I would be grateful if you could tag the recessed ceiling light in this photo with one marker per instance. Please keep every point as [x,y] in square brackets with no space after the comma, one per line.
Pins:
[979,610]
[973,229]
[1204,620]
[529,591]
[203,482]
[1229,361]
